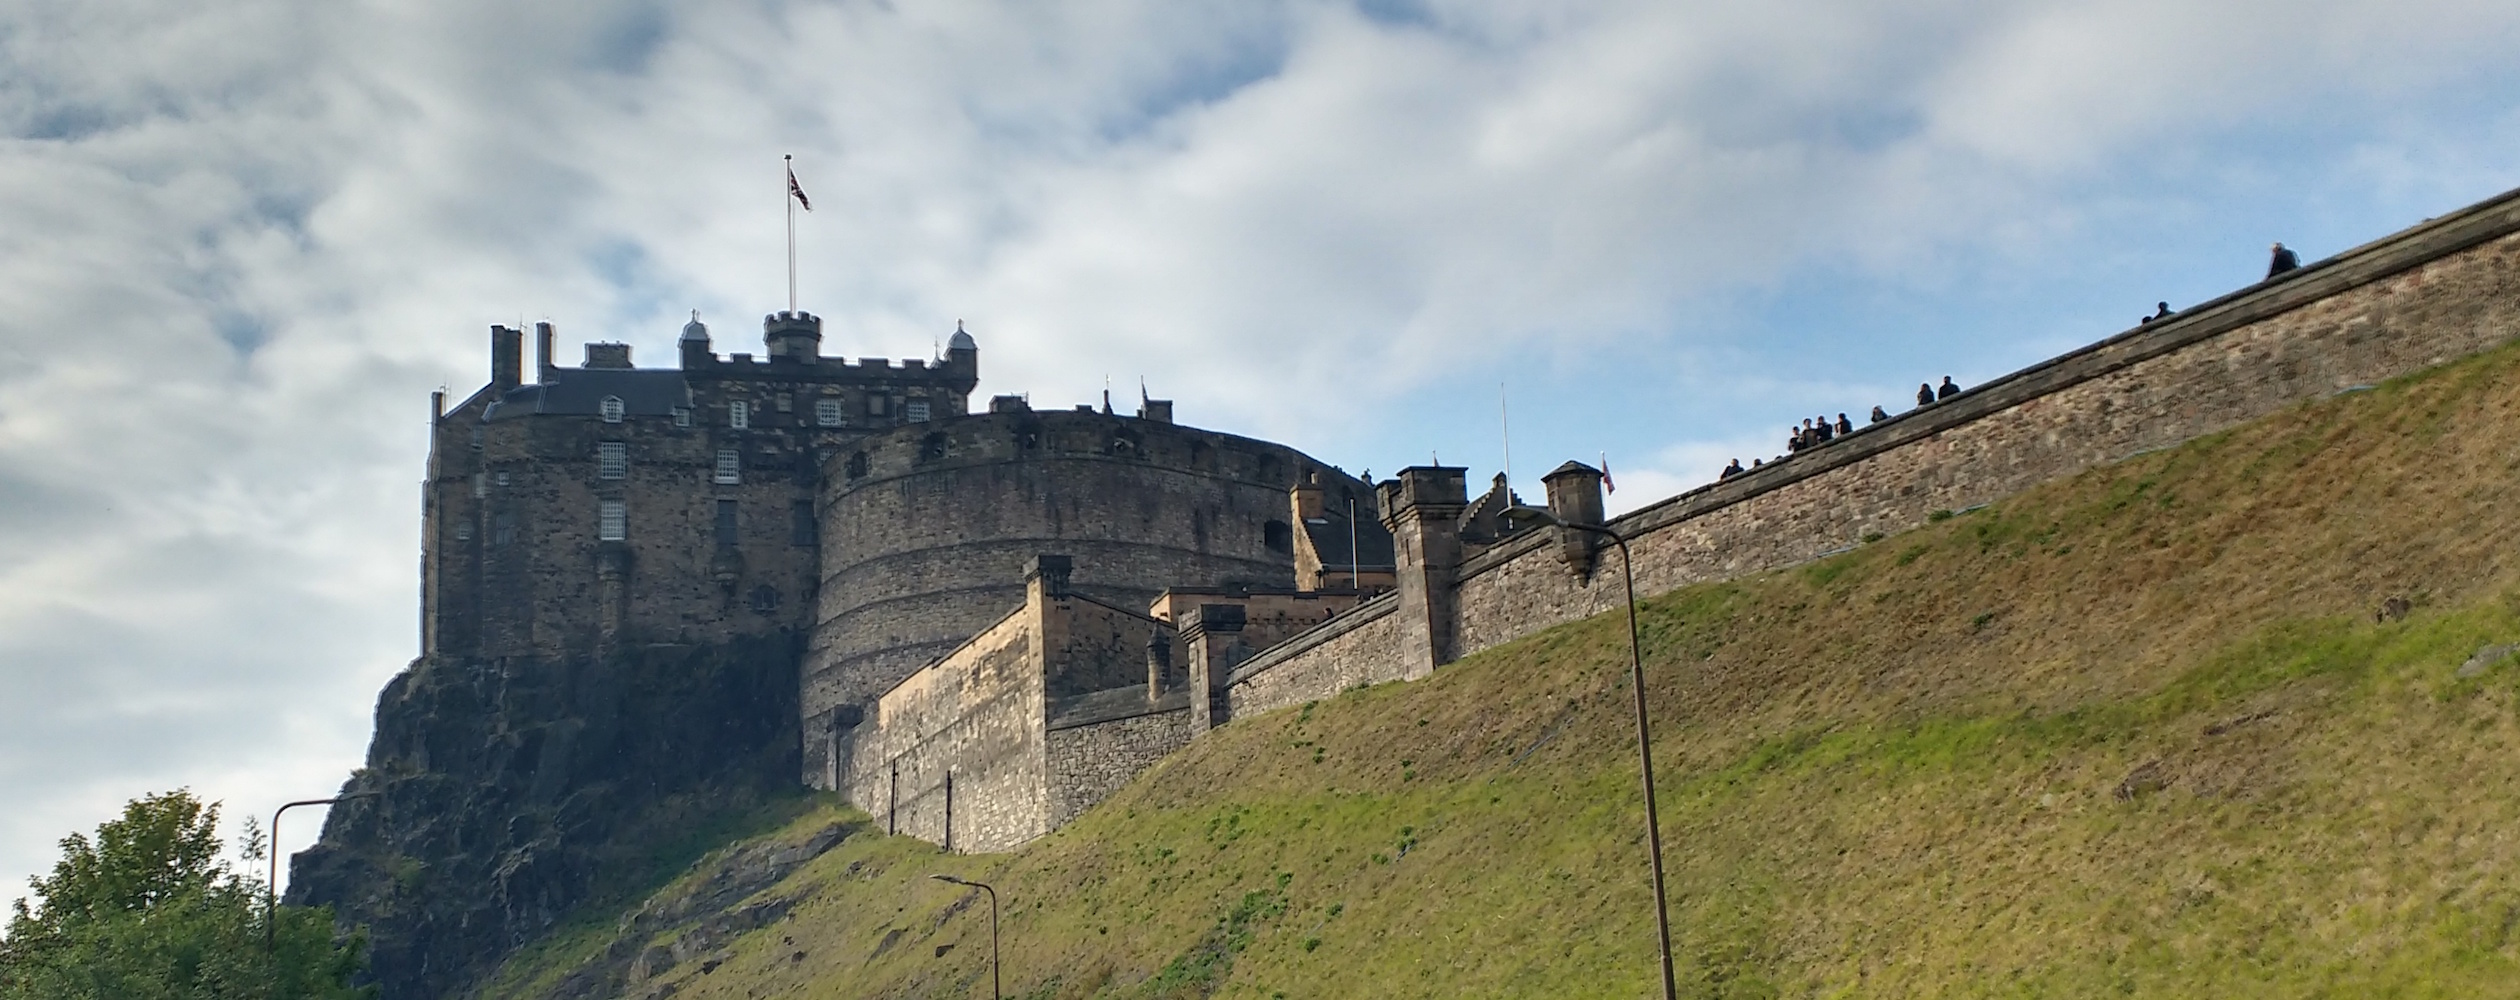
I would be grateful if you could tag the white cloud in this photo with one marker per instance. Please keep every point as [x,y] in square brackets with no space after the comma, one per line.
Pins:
[240,242]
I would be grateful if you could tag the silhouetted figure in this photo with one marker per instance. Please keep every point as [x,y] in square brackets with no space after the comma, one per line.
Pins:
[1880,415]
[1793,439]
[1732,470]
[1845,426]
[2161,310]
[1758,463]
[1823,431]
[2283,260]
[1948,390]
[1924,394]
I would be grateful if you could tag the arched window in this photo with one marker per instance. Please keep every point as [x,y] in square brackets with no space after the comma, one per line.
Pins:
[857,465]
[611,408]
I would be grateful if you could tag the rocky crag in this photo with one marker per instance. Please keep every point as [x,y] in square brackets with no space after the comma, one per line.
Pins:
[509,794]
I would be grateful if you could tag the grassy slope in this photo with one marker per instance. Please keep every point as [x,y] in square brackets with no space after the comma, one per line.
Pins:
[2134,732]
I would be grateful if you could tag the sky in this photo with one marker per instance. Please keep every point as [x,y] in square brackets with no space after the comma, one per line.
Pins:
[240,243]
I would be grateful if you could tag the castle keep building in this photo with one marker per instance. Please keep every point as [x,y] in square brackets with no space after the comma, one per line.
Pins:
[859,513]
[604,503]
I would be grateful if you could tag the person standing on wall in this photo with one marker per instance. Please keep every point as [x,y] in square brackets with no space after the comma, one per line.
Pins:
[2282,261]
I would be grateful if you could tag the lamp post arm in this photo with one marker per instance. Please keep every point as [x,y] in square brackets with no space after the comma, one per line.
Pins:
[271,883]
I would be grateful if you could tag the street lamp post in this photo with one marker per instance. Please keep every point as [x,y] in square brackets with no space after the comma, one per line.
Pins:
[994,990]
[1644,736]
[271,886]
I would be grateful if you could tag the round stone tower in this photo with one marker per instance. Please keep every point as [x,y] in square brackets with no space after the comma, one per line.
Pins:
[926,528]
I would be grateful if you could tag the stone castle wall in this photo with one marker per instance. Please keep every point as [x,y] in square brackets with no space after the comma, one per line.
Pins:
[2434,293]
[954,754]
[1352,650]
[1089,762]
[925,530]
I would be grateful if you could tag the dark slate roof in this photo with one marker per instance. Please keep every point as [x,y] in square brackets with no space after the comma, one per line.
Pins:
[1330,542]
[653,392]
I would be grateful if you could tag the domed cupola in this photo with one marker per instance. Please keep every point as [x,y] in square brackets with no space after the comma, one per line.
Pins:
[695,344]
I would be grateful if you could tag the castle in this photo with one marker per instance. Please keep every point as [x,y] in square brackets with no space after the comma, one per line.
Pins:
[1007,615]
[860,511]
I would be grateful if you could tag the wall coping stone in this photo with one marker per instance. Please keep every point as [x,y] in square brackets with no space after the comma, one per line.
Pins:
[1112,705]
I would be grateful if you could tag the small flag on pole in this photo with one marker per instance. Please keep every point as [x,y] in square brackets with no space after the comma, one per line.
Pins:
[1607,484]
[798,190]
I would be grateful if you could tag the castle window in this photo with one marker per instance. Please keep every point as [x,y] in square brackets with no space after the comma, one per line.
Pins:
[801,528]
[612,521]
[915,411]
[932,447]
[827,412]
[739,415]
[481,485]
[682,416]
[726,524]
[1277,536]
[476,439]
[611,409]
[499,479]
[730,467]
[875,404]
[765,599]
[463,531]
[857,465]
[612,460]
[503,529]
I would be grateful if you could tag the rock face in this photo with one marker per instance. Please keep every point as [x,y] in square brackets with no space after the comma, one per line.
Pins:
[513,791]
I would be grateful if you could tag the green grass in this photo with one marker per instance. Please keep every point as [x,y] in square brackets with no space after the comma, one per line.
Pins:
[2135,733]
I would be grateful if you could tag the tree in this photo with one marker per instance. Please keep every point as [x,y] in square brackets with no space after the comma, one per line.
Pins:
[149,911]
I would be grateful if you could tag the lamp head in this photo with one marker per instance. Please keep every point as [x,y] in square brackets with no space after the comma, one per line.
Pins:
[1522,511]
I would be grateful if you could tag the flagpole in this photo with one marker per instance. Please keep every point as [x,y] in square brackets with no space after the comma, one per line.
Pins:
[1505,430]
[789,199]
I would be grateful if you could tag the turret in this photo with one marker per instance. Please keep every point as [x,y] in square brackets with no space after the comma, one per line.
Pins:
[962,359]
[696,352]
[793,336]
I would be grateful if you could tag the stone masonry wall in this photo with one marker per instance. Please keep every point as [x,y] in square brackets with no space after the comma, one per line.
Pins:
[1088,763]
[976,716]
[1359,647]
[2392,308]
[2436,292]
[925,529]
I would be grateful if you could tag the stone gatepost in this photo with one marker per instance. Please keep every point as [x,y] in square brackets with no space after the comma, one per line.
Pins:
[1213,635]
[1422,508]
[1575,496]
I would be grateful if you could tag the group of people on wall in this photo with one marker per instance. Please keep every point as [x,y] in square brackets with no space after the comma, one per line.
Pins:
[1820,430]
